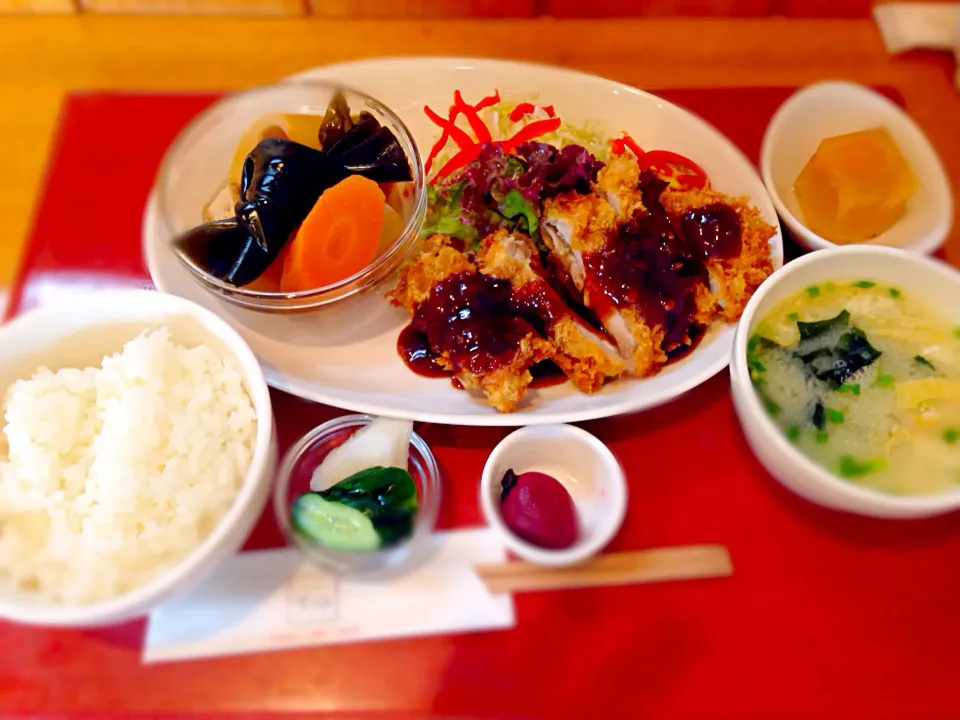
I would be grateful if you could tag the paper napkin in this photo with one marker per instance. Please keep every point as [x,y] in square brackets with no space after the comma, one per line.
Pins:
[929,26]
[274,599]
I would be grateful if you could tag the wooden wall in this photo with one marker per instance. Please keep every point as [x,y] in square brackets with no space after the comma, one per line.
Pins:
[425,9]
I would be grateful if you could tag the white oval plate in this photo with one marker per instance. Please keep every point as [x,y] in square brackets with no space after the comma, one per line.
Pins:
[346,355]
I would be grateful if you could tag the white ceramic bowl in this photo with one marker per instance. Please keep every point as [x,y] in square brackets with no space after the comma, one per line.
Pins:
[578,460]
[834,108]
[916,274]
[79,335]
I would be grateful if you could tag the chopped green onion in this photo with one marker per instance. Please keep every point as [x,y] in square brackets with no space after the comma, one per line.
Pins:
[822,436]
[835,416]
[864,284]
[830,286]
[852,388]
[771,407]
[923,361]
[894,293]
[813,291]
[853,468]
[885,380]
[956,333]
[793,316]
[793,433]
[754,365]
[950,436]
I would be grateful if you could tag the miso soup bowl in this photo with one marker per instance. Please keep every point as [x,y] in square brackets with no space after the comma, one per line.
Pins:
[931,280]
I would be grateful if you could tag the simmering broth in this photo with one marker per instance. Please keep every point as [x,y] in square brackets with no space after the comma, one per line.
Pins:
[865,380]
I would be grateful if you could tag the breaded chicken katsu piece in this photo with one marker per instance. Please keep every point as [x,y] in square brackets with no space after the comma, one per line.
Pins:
[469,323]
[618,183]
[578,228]
[735,277]
[505,385]
[439,257]
[584,355]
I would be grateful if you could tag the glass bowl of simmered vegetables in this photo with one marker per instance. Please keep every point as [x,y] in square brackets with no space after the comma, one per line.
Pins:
[359,494]
[292,196]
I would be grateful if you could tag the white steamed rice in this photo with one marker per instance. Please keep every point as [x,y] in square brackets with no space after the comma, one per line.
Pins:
[111,475]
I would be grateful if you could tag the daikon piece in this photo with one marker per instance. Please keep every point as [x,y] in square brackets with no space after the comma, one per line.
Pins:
[385,442]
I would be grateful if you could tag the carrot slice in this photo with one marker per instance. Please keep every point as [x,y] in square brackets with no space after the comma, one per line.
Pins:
[270,280]
[338,238]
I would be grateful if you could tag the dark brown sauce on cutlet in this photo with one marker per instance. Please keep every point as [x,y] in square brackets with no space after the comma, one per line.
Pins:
[414,348]
[469,319]
[559,279]
[653,266]
[712,231]
[546,374]
[694,337]
[540,305]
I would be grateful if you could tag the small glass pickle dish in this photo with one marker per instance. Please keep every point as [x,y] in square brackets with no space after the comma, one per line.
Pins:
[294,480]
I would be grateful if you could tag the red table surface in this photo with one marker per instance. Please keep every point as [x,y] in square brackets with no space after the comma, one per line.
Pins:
[826,613]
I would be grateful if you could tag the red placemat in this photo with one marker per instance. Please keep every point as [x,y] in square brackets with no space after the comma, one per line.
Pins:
[826,614]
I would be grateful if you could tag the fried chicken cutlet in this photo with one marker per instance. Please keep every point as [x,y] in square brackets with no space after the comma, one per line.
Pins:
[575,228]
[733,280]
[469,323]
[439,257]
[583,354]
[618,183]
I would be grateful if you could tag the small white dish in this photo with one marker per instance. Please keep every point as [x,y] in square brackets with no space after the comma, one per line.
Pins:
[582,464]
[79,334]
[910,272]
[834,108]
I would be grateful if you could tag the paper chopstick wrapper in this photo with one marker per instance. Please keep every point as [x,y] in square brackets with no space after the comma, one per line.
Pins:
[927,26]
[274,599]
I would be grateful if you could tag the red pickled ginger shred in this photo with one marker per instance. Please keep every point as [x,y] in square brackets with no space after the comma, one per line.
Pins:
[470,147]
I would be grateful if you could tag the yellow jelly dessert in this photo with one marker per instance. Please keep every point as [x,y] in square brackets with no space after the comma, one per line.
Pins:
[855,186]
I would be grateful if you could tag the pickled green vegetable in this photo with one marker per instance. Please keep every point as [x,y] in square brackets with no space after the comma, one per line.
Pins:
[371,509]
[336,526]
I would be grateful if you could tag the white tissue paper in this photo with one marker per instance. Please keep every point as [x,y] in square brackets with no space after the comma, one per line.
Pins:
[927,26]
[274,600]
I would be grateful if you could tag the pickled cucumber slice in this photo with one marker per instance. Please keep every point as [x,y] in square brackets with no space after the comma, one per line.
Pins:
[333,524]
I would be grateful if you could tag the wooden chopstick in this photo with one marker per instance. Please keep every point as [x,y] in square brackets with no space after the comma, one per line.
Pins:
[624,568]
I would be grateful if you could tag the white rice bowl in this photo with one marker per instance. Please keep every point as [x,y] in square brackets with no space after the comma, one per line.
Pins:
[134,455]
[114,474]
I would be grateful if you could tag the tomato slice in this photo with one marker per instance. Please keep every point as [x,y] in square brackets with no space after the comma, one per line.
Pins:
[681,172]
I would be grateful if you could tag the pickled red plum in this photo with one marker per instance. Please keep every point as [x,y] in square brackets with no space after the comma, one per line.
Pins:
[539,510]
